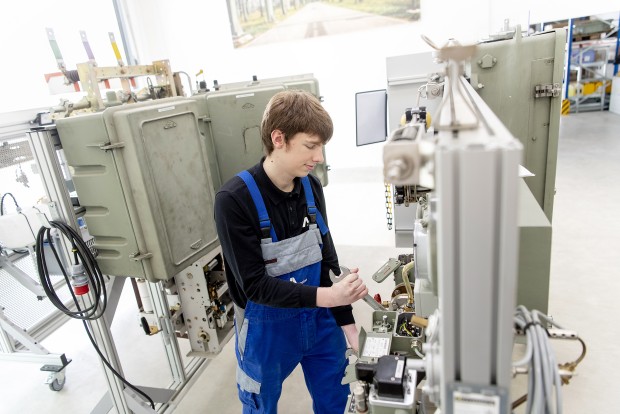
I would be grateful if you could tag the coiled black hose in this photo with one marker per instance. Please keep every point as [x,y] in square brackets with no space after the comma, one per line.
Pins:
[96,281]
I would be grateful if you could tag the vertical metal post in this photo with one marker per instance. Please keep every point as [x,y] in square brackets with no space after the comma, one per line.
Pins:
[103,338]
[124,26]
[477,254]
[617,47]
[88,78]
[569,41]
[170,342]
[44,145]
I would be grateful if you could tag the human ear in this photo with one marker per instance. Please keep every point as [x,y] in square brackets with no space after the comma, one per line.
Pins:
[277,138]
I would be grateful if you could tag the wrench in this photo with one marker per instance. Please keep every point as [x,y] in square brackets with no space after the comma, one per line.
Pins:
[344,271]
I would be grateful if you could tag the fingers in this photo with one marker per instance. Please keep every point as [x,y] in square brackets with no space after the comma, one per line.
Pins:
[357,287]
[363,291]
[350,289]
[350,278]
[353,280]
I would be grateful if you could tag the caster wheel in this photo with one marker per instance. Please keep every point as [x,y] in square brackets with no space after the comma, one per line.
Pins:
[57,384]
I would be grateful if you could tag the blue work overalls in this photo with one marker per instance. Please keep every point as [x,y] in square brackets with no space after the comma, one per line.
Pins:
[270,342]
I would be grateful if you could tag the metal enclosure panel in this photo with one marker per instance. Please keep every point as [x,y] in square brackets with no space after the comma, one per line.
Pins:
[204,125]
[537,59]
[98,185]
[534,253]
[177,170]
[235,122]
[166,162]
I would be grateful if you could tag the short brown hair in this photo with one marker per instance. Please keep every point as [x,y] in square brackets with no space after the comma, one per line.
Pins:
[292,112]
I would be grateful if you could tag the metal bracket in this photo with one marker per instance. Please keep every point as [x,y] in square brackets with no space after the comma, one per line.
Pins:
[57,368]
[385,270]
[109,146]
[547,90]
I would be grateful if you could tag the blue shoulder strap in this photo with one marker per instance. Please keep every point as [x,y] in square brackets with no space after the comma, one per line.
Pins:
[263,217]
[312,210]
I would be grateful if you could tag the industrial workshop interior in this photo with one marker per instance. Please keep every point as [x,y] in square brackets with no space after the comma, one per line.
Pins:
[471,177]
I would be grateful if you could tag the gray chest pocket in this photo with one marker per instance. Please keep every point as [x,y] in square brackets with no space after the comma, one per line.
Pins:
[292,254]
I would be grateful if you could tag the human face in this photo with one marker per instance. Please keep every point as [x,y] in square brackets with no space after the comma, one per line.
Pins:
[302,153]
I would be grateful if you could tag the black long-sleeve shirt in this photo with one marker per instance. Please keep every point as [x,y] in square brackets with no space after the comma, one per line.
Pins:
[239,232]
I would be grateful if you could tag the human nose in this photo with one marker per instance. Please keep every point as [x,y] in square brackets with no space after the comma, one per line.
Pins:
[318,156]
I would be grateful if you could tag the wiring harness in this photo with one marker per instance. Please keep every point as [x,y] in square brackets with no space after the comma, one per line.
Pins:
[545,378]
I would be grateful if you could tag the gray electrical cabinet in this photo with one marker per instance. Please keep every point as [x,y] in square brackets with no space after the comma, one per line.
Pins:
[521,80]
[232,120]
[142,175]
[146,173]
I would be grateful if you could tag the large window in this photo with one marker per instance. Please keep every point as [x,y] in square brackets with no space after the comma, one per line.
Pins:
[27,55]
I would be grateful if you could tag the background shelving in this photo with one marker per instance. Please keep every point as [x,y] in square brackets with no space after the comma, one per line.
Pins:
[592,51]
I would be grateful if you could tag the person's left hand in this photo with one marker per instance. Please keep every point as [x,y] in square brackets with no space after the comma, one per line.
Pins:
[352,335]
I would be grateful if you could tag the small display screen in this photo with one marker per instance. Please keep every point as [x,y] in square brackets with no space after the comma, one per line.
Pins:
[370,115]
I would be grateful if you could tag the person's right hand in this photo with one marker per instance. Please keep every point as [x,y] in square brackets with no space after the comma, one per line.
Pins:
[348,290]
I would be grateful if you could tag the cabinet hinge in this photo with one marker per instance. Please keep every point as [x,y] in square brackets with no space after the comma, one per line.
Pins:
[109,146]
[140,256]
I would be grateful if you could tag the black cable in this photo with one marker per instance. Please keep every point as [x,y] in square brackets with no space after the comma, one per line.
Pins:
[96,282]
[91,268]
[2,203]
[116,373]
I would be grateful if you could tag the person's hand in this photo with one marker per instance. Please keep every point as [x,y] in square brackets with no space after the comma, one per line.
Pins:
[345,292]
[349,289]
[352,335]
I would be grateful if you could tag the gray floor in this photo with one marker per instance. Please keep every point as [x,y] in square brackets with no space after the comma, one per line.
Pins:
[584,285]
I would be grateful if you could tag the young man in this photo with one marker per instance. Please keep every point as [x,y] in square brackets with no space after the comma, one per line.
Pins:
[272,224]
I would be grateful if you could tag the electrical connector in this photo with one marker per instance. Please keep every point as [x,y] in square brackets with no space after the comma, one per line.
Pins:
[79,280]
